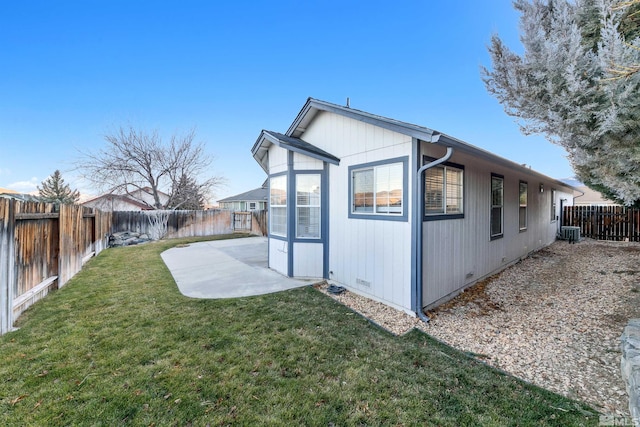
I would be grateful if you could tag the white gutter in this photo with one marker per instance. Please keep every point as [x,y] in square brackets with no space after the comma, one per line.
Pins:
[419,221]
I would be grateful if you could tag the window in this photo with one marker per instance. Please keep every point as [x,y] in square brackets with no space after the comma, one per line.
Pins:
[378,190]
[553,205]
[308,206]
[278,203]
[252,206]
[497,205]
[443,191]
[522,221]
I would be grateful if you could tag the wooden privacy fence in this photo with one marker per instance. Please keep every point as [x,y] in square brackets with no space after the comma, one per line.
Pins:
[190,223]
[604,222]
[41,247]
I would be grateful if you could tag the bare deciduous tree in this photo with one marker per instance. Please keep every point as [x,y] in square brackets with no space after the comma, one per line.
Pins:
[136,160]
[158,224]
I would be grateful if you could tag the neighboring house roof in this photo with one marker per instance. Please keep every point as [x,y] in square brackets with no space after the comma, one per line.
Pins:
[124,199]
[148,191]
[258,194]
[141,198]
[313,106]
[591,197]
[12,194]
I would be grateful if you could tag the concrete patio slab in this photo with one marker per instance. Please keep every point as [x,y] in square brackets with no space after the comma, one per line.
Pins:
[226,269]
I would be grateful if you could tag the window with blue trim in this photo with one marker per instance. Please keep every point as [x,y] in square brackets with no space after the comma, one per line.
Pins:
[497,205]
[378,190]
[308,206]
[278,205]
[522,215]
[443,191]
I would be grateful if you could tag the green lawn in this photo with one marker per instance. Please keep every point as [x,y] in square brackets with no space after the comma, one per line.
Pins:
[119,345]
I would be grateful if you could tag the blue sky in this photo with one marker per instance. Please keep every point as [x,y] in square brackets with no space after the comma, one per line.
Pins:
[71,72]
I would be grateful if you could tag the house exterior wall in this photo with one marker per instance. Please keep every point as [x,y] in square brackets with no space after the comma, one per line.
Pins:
[278,255]
[369,256]
[376,256]
[278,160]
[302,162]
[244,205]
[307,259]
[459,252]
[147,198]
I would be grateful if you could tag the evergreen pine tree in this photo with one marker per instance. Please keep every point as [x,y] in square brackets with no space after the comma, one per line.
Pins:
[55,190]
[187,195]
[577,83]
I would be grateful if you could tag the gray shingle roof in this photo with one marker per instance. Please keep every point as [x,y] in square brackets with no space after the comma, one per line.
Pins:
[297,143]
[255,195]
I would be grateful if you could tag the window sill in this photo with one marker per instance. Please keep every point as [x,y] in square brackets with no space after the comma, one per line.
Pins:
[379,217]
[442,217]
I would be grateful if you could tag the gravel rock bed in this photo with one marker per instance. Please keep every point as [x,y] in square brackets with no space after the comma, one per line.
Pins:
[553,319]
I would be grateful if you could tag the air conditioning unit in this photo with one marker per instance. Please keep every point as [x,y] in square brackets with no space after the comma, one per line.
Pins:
[572,234]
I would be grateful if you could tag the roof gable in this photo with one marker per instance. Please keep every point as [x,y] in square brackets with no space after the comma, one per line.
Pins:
[313,106]
[268,138]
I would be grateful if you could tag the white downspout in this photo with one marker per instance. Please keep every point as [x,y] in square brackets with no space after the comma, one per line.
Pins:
[419,220]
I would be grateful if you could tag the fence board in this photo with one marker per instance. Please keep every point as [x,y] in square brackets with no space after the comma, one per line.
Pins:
[604,222]
[179,223]
[41,248]
[36,245]
[42,245]
[7,263]
[259,223]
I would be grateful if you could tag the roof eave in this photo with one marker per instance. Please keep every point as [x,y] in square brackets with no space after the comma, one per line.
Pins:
[321,155]
[449,141]
[260,151]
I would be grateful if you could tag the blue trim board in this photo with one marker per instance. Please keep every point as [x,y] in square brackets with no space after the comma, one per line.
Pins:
[268,223]
[417,211]
[324,221]
[405,183]
[291,206]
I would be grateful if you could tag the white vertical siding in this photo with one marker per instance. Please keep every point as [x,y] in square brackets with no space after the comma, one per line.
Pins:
[459,252]
[371,257]
[278,159]
[302,162]
[307,259]
[278,256]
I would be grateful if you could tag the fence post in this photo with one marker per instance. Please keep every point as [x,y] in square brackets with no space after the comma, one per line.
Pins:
[7,263]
